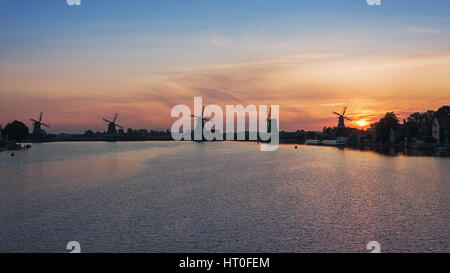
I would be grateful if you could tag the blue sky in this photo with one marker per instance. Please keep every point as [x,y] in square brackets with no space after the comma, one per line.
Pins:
[52,24]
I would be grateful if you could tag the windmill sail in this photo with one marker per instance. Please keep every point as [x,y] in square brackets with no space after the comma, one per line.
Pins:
[37,127]
[341,123]
[112,130]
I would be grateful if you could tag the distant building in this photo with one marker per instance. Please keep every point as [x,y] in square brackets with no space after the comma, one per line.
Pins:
[112,129]
[424,128]
[396,133]
[143,132]
[441,131]
[343,135]
[341,123]
[3,142]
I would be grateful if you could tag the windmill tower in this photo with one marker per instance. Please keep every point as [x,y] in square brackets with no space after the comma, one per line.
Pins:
[37,130]
[112,125]
[342,116]
[269,122]
[200,122]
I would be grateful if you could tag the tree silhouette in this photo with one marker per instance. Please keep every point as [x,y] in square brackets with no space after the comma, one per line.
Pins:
[89,133]
[443,112]
[384,126]
[16,130]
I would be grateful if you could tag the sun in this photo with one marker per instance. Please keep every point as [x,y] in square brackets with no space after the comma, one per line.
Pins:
[362,122]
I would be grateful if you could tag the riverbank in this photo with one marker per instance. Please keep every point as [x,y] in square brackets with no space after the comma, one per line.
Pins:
[385,149]
[393,149]
[13,147]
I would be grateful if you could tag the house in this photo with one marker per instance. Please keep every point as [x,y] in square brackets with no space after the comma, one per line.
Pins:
[344,135]
[397,134]
[392,136]
[441,131]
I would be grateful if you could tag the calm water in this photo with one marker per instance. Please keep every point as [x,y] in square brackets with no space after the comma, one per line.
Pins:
[220,197]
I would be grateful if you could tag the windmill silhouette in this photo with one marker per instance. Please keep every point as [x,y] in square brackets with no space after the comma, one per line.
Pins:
[271,121]
[112,125]
[342,116]
[37,130]
[200,121]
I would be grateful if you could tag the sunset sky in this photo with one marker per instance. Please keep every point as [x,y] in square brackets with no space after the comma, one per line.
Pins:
[79,64]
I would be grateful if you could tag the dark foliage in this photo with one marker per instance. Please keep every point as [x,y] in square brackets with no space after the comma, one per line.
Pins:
[16,130]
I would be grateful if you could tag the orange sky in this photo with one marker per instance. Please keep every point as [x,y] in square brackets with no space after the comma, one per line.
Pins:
[308,87]
[140,58]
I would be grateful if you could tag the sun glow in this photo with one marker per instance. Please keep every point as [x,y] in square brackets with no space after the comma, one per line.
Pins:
[362,123]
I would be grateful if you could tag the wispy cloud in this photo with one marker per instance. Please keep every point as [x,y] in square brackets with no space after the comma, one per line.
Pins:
[308,87]
[333,104]
[422,30]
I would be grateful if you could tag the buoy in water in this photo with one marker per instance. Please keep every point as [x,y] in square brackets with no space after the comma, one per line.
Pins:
[12,154]
[295,147]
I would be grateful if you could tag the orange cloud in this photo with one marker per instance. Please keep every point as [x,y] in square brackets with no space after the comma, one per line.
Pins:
[308,87]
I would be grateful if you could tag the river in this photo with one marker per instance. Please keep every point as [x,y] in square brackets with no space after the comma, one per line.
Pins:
[220,197]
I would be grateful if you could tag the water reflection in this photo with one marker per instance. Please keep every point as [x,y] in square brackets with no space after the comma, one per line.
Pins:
[221,197]
[397,151]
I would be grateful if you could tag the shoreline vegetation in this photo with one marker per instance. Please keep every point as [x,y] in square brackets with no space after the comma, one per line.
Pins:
[386,149]
[429,130]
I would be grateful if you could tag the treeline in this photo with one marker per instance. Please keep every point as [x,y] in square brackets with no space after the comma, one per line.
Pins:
[17,131]
[389,129]
[417,126]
